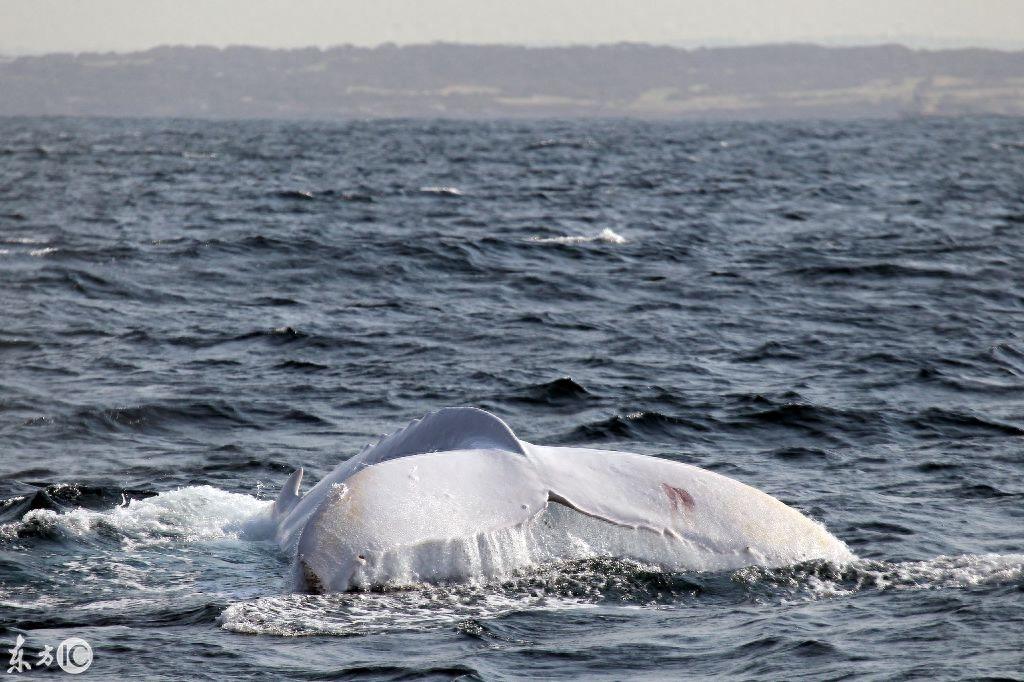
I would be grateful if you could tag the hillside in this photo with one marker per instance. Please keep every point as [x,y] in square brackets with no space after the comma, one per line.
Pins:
[442,80]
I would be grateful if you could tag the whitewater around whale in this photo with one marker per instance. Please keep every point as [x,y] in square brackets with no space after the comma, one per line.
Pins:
[457,495]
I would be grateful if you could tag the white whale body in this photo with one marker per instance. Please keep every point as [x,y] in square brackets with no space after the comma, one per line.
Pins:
[456,495]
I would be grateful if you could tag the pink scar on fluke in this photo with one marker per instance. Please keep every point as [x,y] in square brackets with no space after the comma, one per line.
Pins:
[679,498]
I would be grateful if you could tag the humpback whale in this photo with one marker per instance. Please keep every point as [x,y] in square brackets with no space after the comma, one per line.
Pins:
[456,494]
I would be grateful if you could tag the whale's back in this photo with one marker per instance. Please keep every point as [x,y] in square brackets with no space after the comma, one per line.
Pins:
[450,428]
[447,429]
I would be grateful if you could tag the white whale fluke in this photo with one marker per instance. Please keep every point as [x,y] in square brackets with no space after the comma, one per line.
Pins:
[457,495]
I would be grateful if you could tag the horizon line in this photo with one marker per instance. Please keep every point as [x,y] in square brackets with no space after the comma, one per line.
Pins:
[953,46]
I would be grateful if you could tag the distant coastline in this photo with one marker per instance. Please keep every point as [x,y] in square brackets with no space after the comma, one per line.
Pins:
[771,82]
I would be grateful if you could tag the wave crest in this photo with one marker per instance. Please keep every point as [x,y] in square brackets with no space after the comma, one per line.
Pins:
[607,236]
[186,514]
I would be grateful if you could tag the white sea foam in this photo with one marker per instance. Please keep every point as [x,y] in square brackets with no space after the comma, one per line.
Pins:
[351,613]
[44,601]
[607,236]
[24,240]
[582,585]
[444,191]
[43,252]
[191,513]
[942,572]
[966,570]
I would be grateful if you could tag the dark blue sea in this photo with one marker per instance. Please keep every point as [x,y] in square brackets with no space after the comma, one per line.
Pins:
[830,312]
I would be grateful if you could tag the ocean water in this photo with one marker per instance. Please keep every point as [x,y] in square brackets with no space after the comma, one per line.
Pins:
[830,312]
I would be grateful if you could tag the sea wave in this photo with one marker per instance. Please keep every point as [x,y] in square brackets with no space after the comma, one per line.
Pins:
[606,236]
[600,581]
[186,514]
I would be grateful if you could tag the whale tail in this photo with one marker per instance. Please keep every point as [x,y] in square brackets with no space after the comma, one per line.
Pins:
[289,495]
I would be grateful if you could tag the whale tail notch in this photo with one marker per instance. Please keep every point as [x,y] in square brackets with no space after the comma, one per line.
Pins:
[289,495]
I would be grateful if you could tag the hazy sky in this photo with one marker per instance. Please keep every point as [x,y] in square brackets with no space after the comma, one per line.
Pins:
[80,25]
